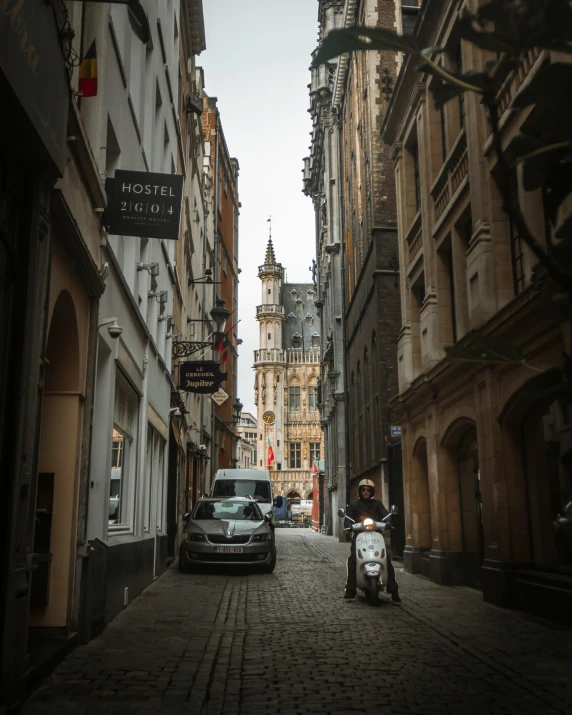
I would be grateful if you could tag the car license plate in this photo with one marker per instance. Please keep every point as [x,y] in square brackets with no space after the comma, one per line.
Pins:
[229,549]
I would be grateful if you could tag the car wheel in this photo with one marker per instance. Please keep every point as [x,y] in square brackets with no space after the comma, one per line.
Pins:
[269,568]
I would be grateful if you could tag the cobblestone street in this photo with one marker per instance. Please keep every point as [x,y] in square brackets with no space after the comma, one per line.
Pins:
[287,643]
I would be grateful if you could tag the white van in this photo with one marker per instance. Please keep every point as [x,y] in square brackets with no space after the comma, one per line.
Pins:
[254,483]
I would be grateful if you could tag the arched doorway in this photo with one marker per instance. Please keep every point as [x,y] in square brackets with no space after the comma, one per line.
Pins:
[293,494]
[56,509]
[310,496]
[462,472]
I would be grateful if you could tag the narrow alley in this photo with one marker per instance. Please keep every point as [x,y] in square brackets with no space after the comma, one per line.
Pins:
[241,642]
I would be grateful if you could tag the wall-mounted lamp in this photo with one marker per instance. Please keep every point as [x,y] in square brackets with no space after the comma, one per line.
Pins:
[236,413]
[160,295]
[168,336]
[151,268]
[207,279]
[219,314]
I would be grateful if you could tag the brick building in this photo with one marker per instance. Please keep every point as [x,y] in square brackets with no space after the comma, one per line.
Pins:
[484,482]
[225,206]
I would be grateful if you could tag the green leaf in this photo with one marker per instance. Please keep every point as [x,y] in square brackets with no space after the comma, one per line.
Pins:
[351,39]
[487,349]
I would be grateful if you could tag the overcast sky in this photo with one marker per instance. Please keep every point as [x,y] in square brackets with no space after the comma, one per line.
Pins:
[256,64]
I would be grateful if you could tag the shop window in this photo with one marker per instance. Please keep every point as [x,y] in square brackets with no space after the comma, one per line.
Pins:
[123,455]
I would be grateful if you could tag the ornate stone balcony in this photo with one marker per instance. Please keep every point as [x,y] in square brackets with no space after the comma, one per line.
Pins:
[454,171]
[273,310]
[303,356]
[513,82]
[269,355]
[414,238]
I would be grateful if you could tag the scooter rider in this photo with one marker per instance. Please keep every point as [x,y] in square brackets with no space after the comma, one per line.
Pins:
[367,507]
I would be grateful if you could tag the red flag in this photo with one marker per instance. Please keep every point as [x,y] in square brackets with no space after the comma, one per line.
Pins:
[315,469]
[270,458]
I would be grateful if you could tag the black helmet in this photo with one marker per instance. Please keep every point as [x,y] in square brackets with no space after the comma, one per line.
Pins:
[366,483]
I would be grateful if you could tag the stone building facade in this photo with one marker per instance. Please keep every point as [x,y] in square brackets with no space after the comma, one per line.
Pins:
[349,177]
[285,388]
[484,481]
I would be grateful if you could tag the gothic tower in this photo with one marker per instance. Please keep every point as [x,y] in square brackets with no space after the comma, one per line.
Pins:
[285,389]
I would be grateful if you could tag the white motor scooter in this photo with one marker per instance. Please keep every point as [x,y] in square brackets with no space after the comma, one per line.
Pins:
[371,555]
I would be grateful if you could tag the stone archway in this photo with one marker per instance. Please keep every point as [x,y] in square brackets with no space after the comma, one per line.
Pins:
[52,582]
[538,436]
[293,494]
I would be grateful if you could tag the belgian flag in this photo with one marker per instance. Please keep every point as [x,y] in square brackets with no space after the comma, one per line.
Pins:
[88,73]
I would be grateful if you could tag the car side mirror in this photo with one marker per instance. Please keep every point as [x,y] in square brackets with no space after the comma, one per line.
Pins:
[268,517]
[186,517]
[278,502]
[341,512]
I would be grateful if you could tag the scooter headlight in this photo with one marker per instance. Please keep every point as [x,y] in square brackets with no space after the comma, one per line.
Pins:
[368,524]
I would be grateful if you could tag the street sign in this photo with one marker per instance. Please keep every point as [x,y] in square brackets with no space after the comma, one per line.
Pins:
[202,377]
[140,203]
[219,396]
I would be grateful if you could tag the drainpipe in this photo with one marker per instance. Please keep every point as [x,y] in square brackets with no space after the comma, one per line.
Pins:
[343,293]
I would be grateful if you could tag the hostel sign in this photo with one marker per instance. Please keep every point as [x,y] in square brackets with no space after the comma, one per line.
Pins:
[143,204]
[201,377]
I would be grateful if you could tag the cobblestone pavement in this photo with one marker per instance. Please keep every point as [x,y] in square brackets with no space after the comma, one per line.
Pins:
[255,644]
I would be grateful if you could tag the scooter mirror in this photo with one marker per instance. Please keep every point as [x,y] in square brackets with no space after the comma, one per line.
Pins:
[341,512]
[394,509]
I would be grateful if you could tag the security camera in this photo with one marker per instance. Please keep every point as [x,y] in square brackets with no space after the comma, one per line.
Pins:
[114,330]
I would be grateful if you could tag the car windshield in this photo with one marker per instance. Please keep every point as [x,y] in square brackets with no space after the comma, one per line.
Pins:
[259,490]
[240,511]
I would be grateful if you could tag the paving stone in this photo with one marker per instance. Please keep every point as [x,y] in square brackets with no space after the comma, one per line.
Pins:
[245,643]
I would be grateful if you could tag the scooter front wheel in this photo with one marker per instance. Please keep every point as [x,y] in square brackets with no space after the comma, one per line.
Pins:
[372,591]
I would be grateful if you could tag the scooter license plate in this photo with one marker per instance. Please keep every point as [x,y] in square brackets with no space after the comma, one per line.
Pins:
[229,549]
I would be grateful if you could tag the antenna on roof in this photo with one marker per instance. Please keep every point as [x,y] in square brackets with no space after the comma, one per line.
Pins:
[269,221]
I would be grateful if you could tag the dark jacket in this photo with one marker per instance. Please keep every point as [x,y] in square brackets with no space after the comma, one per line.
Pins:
[361,509]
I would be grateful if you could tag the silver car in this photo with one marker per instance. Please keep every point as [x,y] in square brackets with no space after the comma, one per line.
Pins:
[228,531]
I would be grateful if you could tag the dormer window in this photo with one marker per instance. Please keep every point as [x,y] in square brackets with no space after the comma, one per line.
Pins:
[299,304]
[308,320]
[296,340]
[291,318]
[315,340]
[294,293]
[310,295]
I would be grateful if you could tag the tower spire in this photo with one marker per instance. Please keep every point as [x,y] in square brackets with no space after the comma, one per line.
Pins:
[270,257]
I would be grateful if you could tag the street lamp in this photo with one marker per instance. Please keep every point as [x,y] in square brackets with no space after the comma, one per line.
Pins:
[219,314]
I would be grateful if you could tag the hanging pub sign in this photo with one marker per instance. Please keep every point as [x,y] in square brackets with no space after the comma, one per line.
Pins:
[202,377]
[143,204]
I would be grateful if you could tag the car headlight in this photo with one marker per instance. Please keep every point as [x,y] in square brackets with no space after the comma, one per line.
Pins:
[262,537]
[194,536]
[368,524]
